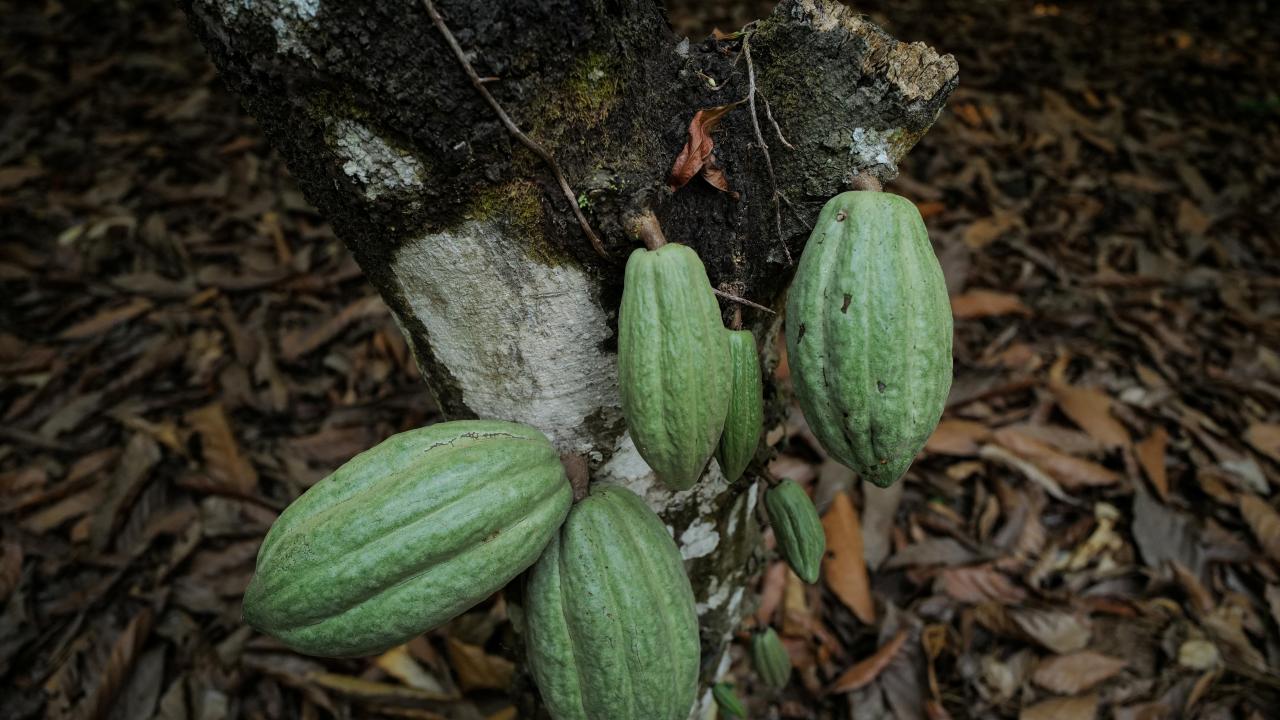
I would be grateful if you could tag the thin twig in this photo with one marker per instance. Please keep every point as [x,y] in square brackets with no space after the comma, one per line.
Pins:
[768,112]
[764,147]
[742,301]
[479,84]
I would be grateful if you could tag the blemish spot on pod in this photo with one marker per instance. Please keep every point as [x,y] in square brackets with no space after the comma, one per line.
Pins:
[770,658]
[727,700]
[745,420]
[610,621]
[797,527]
[673,362]
[869,334]
[406,536]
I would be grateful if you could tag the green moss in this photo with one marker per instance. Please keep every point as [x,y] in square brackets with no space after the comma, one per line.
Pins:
[585,97]
[518,205]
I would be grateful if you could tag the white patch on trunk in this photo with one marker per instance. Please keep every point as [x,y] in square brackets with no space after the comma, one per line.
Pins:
[628,469]
[699,539]
[520,339]
[371,161]
[290,19]
[870,148]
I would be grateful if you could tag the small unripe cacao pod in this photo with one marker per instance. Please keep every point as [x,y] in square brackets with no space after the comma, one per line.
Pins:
[743,424]
[770,658]
[797,528]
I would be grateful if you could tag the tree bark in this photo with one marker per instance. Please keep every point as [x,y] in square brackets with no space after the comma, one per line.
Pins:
[467,237]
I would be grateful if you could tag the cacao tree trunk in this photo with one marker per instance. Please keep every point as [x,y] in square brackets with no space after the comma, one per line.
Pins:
[465,233]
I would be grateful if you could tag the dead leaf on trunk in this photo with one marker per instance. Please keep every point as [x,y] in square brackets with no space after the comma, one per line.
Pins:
[1264,521]
[867,670]
[693,158]
[845,568]
[1077,672]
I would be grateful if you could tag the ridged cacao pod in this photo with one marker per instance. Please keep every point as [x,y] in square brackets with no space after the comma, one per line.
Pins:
[770,658]
[609,615]
[797,527]
[869,334]
[673,362]
[745,420]
[728,700]
[406,536]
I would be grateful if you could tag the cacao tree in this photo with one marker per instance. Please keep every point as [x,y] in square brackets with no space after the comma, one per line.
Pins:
[506,286]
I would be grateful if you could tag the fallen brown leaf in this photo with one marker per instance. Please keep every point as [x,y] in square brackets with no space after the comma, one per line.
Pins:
[369,690]
[977,304]
[1060,632]
[1265,438]
[1264,521]
[868,669]
[980,583]
[1077,672]
[1090,408]
[960,438]
[106,320]
[1084,707]
[772,587]
[1072,472]
[845,568]
[227,464]
[1150,454]
[478,669]
[300,343]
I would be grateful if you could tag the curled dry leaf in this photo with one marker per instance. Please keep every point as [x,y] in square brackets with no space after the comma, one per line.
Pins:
[1090,408]
[868,669]
[1077,672]
[1264,521]
[977,304]
[961,438]
[1150,454]
[845,568]
[1070,471]
[694,157]
[978,584]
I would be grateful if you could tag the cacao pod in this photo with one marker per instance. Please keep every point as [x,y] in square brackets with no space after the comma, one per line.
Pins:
[673,362]
[609,615]
[770,658]
[797,527]
[745,420]
[869,334]
[728,700]
[406,536]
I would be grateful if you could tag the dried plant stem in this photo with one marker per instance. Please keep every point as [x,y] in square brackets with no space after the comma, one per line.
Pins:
[742,301]
[479,84]
[764,147]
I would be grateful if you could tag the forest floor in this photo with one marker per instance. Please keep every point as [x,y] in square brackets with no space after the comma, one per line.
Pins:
[1092,531]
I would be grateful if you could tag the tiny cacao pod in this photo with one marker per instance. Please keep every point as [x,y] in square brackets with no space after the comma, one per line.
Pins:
[797,527]
[869,333]
[728,700]
[770,658]
[673,362]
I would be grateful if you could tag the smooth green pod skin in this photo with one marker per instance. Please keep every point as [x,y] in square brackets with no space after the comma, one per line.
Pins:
[728,700]
[609,616]
[673,362]
[869,334]
[770,658]
[797,527]
[745,420]
[407,535]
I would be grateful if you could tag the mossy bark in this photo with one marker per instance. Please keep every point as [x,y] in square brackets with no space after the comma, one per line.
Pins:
[464,232]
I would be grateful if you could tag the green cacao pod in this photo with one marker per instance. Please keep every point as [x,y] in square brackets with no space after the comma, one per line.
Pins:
[797,527]
[406,536]
[609,616]
[728,700]
[745,420]
[673,362]
[770,657]
[869,334]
